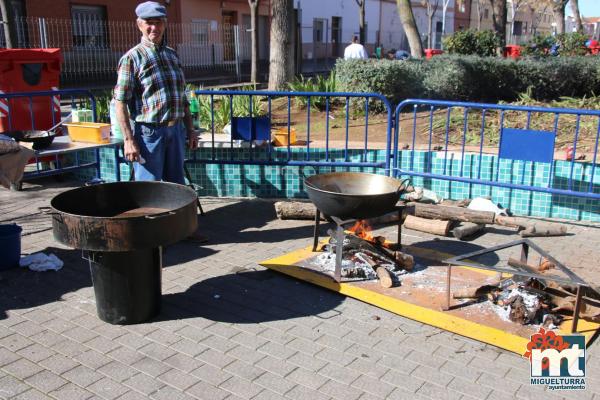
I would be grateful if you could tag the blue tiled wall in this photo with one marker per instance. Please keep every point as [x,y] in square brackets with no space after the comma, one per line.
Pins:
[285,182]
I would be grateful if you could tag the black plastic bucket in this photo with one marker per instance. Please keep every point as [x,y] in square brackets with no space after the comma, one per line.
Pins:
[10,246]
[127,285]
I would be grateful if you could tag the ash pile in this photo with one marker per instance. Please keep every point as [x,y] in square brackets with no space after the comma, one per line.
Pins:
[534,301]
[365,258]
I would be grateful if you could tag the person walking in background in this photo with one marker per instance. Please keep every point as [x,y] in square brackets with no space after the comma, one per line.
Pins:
[355,50]
[151,85]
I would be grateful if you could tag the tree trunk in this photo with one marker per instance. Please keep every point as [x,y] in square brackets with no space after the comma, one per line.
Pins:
[10,35]
[410,28]
[444,10]
[512,23]
[280,58]
[254,35]
[479,15]
[558,9]
[429,28]
[499,18]
[361,20]
[576,15]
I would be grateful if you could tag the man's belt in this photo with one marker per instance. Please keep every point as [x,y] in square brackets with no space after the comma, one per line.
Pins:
[165,124]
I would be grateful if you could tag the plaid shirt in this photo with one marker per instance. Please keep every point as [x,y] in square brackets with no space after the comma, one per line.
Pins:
[150,80]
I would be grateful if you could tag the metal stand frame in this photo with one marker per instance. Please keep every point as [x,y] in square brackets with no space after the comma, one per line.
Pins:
[525,244]
[339,236]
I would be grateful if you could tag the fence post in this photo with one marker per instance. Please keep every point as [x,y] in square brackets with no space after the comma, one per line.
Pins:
[236,39]
[43,33]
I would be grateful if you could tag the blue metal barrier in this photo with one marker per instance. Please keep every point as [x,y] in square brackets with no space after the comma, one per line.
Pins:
[502,146]
[228,105]
[76,97]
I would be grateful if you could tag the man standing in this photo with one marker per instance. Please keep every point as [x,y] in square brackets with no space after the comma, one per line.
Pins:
[355,50]
[151,85]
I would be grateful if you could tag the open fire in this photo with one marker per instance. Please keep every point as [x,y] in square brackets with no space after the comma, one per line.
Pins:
[365,256]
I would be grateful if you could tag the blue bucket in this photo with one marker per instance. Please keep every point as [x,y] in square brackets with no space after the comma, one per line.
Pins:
[10,246]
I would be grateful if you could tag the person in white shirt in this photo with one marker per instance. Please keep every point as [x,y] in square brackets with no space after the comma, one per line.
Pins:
[355,50]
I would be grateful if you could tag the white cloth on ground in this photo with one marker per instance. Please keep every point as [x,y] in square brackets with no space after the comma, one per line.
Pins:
[41,262]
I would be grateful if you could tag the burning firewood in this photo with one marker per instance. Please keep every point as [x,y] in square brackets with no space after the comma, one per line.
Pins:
[405,261]
[353,242]
[546,265]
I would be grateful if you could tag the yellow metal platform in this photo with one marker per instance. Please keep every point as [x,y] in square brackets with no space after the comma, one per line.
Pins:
[421,296]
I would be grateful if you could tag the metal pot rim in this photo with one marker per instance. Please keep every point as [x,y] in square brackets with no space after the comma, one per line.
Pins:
[312,186]
[68,214]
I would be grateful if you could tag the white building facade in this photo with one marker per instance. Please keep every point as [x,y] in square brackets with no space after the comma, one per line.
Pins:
[329,25]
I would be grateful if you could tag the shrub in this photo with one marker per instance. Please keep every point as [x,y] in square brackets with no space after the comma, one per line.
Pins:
[396,80]
[482,43]
[572,44]
[472,78]
[318,84]
[539,46]
[223,106]
[569,44]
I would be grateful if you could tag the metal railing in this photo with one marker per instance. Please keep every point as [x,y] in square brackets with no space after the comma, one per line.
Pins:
[514,147]
[22,104]
[25,106]
[311,124]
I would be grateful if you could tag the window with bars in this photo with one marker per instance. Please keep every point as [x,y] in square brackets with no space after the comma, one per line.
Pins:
[89,26]
[200,28]
[318,26]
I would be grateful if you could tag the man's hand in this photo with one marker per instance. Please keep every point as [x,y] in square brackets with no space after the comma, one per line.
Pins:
[192,139]
[131,150]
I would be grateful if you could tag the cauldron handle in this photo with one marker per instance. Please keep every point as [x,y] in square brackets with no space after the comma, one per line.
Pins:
[48,211]
[161,215]
[402,186]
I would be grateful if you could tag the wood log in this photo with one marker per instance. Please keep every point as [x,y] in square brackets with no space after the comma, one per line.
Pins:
[437,227]
[513,262]
[543,230]
[474,293]
[354,242]
[531,228]
[405,261]
[295,210]
[436,211]
[515,222]
[456,203]
[466,229]
[386,279]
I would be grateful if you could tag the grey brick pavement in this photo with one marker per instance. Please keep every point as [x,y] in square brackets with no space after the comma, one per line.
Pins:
[265,336]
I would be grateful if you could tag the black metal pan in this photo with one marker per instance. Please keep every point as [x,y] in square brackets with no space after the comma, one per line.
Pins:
[353,194]
[40,139]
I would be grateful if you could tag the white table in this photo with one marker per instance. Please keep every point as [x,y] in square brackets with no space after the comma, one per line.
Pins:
[63,145]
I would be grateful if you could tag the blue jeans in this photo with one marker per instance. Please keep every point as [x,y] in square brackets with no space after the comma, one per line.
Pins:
[163,149]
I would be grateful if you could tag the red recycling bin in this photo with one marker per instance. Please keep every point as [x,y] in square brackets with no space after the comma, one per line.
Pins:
[432,52]
[29,70]
[512,51]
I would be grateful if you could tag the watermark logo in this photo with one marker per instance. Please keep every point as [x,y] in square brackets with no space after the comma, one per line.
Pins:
[557,361]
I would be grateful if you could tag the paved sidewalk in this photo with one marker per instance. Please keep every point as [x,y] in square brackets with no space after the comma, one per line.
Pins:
[230,329]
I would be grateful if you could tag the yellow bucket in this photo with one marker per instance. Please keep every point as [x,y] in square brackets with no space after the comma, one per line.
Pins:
[89,132]
[281,137]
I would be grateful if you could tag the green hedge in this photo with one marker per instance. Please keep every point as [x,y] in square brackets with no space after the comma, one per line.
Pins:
[471,78]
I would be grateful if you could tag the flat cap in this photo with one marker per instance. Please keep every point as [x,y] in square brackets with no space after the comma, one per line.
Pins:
[150,9]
